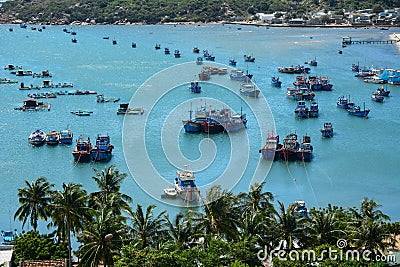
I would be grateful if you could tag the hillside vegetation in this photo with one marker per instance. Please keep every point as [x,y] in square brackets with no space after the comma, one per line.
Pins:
[155,11]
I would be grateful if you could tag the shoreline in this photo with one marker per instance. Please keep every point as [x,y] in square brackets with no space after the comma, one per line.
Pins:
[241,23]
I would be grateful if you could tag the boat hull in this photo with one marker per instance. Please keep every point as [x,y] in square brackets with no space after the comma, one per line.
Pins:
[81,156]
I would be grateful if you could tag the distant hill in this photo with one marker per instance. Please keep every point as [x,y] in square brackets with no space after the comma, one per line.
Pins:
[155,11]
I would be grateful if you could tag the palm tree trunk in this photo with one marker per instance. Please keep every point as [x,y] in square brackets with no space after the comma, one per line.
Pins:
[69,243]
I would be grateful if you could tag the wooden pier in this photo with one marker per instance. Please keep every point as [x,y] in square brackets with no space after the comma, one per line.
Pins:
[347,41]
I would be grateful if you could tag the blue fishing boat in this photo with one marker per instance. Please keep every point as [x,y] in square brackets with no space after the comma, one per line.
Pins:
[212,126]
[358,112]
[195,125]
[248,58]
[81,152]
[195,87]
[313,111]
[301,110]
[157,46]
[185,185]
[319,83]
[177,54]
[376,97]
[166,51]
[276,82]
[313,62]
[305,151]
[382,92]
[37,138]
[232,62]
[249,90]
[344,103]
[328,130]
[53,138]
[269,151]
[102,151]
[66,137]
[199,60]
[133,45]
[196,50]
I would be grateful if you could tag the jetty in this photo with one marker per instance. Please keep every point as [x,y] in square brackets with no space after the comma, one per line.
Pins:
[348,41]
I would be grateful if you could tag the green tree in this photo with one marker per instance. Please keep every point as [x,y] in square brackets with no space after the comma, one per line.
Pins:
[34,199]
[146,227]
[69,210]
[102,239]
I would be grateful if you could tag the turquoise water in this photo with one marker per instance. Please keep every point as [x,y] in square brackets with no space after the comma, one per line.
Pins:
[361,160]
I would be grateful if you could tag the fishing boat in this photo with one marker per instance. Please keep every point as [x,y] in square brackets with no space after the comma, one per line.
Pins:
[319,84]
[81,112]
[53,138]
[314,110]
[74,40]
[376,97]
[268,152]
[196,50]
[249,90]
[157,46]
[166,51]
[344,103]
[205,74]
[114,42]
[125,109]
[212,126]
[382,92]
[313,62]
[299,69]
[101,99]
[301,110]
[276,82]
[305,151]
[301,208]
[248,58]
[37,138]
[7,81]
[82,149]
[290,146]
[170,192]
[195,87]
[328,130]
[177,54]
[238,75]
[358,112]
[232,62]
[185,185]
[66,137]
[133,45]
[102,151]
[199,60]
[210,57]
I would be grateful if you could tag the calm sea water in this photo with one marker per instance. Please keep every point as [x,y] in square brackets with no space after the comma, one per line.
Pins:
[361,160]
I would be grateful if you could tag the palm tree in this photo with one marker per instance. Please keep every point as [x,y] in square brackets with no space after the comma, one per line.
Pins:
[102,239]
[34,199]
[324,227]
[69,209]
[287,226]
[109,182]
[220,213]
[256,200]
[146,227]
[182,231]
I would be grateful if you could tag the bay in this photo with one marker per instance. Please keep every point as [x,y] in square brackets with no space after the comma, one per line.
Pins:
[360,160]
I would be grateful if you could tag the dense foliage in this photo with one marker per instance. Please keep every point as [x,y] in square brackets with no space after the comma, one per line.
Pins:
[230,230]
[155,11]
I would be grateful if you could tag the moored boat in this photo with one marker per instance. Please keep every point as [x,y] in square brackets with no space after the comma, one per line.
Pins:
[328,130]
[185,185]
[232,62]
[37,138]
[290,146]
[34,105]
[195,87]
[177,54]
[382,92]
[125,109]
[82,149]
[344,103]
[102,151]
[66,137]
[268,152]
[199,60]
[238,75]
[248,58]
[301,110]
[249,90]
[166,51]
[376,97]
[53,138]
[81,112]
[313,112]
[358,112]
[305,151]
[276,82]
[170,192]
[196,50]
